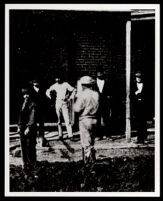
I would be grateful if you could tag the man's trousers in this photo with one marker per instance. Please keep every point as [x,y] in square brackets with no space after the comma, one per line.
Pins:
[87,128]
[28,147]
[62,108]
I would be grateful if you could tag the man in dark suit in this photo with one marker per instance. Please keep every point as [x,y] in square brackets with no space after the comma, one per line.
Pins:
[27,128]
[104,90]
[39,97]
[139,107]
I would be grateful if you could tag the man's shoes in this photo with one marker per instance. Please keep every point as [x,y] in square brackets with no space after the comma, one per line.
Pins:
[72,139]
[104,137]
[98,138]
[60,138]
[42,142]
[109,139]
[140,142]
[45,143]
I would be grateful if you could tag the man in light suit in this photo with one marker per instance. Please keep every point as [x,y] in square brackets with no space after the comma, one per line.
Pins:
[64,92]
[87,106]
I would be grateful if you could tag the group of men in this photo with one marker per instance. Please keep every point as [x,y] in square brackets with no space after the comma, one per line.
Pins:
[92,100]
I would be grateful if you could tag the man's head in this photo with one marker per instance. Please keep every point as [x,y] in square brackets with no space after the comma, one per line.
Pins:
[58,79]
[100,75]
[36,83]
[138,76]
[25,92]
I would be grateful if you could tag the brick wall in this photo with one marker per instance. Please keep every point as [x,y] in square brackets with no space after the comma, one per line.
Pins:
[105,50]
[91,52]
[94,50]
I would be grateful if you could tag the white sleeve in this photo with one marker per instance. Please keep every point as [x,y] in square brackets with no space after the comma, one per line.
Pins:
[79,104]
[69,87]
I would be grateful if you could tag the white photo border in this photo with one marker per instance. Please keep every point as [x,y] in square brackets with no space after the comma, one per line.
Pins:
[85,7]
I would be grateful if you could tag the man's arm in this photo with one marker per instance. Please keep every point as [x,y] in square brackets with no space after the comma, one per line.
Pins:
[72,91]
[108,89]
[79,105]
[48,91]
[32,119]
[20,118]
[19,122]
[96,88]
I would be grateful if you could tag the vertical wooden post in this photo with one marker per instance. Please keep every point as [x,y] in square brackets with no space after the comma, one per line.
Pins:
[128,74]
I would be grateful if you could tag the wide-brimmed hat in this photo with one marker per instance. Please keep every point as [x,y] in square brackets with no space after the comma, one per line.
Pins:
[87,80]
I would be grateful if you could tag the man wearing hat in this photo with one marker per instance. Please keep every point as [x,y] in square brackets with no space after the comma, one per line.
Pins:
[87,105]
[27,127]
[140,107]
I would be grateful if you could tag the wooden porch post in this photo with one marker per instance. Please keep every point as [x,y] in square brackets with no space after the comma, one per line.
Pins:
[128,74]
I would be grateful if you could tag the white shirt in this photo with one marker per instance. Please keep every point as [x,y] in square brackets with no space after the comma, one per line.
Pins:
[140,87]
[87,103]
[100,84]
[60,89]
[36,88]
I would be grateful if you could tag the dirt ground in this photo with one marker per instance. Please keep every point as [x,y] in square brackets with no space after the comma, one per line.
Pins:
[120,167]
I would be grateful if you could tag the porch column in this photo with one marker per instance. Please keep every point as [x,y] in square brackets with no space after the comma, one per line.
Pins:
[128,74]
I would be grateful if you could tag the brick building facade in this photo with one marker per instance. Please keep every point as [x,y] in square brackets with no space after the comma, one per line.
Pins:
[71,43]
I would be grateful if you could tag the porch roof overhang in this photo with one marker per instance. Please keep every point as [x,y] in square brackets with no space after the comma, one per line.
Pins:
[144,14]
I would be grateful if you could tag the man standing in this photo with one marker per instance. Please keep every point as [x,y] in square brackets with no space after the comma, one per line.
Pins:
[64,92]
[105,103]
[39,97]
[140,108]
[87,105]
[28,129]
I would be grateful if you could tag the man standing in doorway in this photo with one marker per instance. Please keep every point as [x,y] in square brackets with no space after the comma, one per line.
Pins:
[64,92]
[105,104]
[140,107]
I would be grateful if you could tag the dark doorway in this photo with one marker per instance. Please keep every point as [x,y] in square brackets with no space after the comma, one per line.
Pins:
[143,59]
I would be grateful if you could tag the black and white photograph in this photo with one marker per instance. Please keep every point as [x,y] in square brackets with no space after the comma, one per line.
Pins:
[82,107]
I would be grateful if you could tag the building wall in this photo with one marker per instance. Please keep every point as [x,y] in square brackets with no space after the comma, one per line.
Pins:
[92,52]
[47,43]
[106,51]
